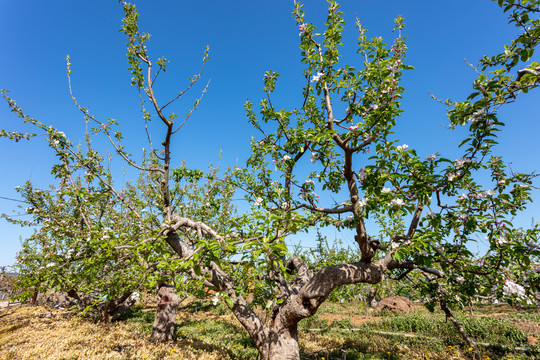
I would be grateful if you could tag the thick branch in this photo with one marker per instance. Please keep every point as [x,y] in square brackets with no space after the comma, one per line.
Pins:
[315,292]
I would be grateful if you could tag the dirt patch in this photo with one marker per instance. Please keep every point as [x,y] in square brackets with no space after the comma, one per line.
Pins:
[395,304]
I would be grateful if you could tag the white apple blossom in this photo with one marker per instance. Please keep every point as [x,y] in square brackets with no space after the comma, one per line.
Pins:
[350,218]
[396,202]
[258,201]
[313,157]
[215,298]
[511,288]
[286,157]
[363,202]
[317,77]
[402,147]
[431,157]
[477,116]
[461,162]
[386,190]
[501,240]
[284,205]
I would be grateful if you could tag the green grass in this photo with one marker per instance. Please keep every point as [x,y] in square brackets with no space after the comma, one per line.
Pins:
[203,327]
[225,335]
[142,319]
[482,329]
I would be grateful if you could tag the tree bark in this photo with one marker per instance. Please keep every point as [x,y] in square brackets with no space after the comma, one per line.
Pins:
[370,300]
[163,328]
[279,340]
[114,309]
[283,343]
[119,310]
[34,298]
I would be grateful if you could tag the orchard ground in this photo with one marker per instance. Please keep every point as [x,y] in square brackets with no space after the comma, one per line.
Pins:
[205,331]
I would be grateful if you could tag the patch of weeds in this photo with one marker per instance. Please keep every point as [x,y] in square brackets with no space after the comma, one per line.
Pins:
[332,308]
[533,316]
[343,324]
[221,309]
[143,319]
[313,322]
[483,329]
[218,334]
[495,331]
[414,322]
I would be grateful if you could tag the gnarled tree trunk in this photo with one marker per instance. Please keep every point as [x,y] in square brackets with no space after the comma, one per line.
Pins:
[163,328]
[114,309]
[279,339]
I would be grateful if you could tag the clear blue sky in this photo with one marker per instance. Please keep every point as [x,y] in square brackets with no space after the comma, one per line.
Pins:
[246,38]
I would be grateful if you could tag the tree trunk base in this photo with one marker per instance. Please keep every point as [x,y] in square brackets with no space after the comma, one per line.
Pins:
[163,328]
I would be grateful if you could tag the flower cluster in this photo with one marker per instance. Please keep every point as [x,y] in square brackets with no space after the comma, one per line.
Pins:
[372,107]
[512,288]
[362,174]
[317,77]
[215,298]
[402,147]
[363,202]
[477,116]
[461,162]
[396,202]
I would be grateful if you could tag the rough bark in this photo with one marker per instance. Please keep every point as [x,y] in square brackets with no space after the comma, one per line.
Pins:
[163,328]
[34,298]
[370,299]
[113,310]
[116,313]
[281,338]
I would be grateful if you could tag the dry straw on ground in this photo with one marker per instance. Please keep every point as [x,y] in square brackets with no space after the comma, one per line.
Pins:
[24,335]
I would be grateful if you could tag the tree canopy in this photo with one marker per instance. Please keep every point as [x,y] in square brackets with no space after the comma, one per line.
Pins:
[331,161]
